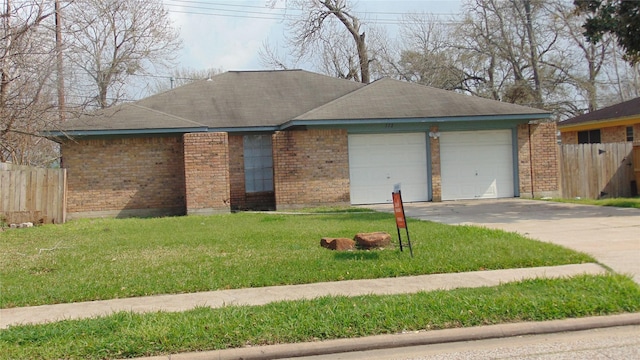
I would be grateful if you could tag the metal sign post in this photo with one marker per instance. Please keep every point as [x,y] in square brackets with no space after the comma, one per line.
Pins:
[401,220]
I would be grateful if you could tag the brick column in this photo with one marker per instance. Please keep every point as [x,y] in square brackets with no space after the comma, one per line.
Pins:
[436,175]
[206,168]
[538,160]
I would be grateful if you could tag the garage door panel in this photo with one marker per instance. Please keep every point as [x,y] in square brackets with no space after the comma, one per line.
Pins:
[476,164]
[379,161]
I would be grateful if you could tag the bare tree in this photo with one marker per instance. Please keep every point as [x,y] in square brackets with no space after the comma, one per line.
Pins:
[504,31]
[428,56]
[579,63]
[112,40]
[323,29]
[272,59]
[27,90]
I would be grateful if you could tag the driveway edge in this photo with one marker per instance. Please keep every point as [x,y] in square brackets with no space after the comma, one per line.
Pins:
[409,339]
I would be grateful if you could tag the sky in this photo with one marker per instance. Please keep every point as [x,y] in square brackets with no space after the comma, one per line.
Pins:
[228,34]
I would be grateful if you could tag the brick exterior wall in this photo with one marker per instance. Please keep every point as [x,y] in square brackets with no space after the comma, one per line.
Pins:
[538,160]
[436,174]
[240,199]
[311,168]
[613,134]
[236,173]
[206,172]
[569,137]
[124,177]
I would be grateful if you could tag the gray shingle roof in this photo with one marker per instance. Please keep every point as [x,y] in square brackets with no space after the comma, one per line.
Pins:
[388,99]
[623,109]
[131,116]
[268,99]
[231,99]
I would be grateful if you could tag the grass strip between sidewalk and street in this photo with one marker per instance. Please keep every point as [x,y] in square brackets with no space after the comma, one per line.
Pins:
[100,259]
[126,334]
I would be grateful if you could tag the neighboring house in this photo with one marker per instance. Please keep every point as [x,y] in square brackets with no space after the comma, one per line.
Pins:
[291,139]
[613,124]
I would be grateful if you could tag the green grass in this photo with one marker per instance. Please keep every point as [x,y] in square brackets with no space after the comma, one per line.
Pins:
[117,258]
[616,202]
[132,335]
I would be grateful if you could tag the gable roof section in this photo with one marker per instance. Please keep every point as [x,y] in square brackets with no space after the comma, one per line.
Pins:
[235,99]
[622,112]
[393,99]
[251,98]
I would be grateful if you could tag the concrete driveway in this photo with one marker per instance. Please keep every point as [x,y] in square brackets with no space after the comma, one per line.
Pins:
[611,235]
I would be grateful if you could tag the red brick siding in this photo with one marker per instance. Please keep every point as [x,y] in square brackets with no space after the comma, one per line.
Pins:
[311,168]
[569,137]
[236,172]
[206,169]
[613,134]
[538,157]
[436,175]
[240,199]
[115,177]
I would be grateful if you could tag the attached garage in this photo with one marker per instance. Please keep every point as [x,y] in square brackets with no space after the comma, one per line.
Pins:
[477,164]
[378,161]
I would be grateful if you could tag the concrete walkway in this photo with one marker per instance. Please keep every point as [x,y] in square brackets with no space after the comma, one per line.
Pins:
[609,234]
[264,295]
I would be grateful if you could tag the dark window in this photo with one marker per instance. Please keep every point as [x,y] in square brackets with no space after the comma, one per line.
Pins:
[629,133]
[258,163]
[589,137]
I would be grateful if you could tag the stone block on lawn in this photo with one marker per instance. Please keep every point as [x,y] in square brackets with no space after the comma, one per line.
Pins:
[372,240]
[339,244]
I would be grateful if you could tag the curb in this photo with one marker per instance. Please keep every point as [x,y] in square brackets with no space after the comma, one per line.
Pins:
[409,339]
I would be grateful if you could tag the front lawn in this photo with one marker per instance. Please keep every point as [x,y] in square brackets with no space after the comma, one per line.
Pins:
[117,258]
[127,334]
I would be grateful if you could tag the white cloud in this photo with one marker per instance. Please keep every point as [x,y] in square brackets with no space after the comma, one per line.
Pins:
[221,42]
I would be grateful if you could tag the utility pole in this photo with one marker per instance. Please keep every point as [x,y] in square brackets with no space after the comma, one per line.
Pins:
[60,68]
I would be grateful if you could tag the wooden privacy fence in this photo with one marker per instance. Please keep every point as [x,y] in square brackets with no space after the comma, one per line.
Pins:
[597,171]
[29,194]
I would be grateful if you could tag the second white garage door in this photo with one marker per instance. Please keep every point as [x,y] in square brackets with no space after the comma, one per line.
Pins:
[378,161]
[476,164]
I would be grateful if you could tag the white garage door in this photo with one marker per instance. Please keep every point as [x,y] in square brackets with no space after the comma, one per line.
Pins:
[378,161]
[476,164]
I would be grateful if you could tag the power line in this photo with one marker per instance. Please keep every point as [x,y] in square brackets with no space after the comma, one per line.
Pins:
[214,9]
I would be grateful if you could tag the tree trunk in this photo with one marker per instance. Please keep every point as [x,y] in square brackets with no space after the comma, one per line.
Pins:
[353,26]
[533,51]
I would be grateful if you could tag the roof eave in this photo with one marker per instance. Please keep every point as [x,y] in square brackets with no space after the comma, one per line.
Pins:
[440,119]
[593,124]
[118,132]
[124,132]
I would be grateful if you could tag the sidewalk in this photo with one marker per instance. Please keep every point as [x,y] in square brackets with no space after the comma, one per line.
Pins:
[264,295]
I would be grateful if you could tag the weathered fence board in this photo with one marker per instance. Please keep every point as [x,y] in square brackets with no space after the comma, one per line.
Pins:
[32,194]
[636,165]
[597,171]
